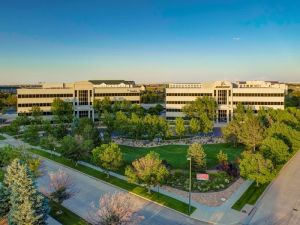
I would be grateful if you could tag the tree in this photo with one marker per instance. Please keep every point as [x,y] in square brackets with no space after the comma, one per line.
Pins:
[116,209]
[204,105]
[194,126]
[231,132]
[147,170]
[36,113]
[86,128]
[109,122]
[61,186]
[197,155]
[136,126]
[28,206]
[108,156]
[290,136]
[4,200]
[251,133]
[179,127]
[206,124]
[9,153]
[275,149]
[253,166]
[70,148]
[121,122]
[31,134]
[62,110]
[101,106]
[222,157]
[156,110]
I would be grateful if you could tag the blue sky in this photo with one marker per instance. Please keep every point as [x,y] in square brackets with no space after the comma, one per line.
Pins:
[149,41]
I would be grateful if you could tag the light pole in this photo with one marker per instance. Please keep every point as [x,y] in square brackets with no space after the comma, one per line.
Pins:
[190,183]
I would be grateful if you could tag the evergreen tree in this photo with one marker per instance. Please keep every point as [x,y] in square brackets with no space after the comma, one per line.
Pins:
[4,200]
[28,206]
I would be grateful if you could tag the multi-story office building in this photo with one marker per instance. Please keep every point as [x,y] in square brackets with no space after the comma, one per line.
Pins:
[81,94]
[255,94]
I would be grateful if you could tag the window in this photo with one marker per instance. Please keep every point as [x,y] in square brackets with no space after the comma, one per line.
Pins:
[222,97]
[83,97]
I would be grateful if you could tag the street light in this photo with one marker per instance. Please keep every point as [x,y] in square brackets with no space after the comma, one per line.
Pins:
[190,183]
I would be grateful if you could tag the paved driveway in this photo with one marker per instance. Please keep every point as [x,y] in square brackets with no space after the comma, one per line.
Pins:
[281,203]
[90,190]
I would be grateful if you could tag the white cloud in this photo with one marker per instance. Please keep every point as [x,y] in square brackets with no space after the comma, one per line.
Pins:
[236,38]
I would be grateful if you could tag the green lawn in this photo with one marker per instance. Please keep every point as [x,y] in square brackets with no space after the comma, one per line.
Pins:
[67,217]
[176,154]
[159,198]
[250,196]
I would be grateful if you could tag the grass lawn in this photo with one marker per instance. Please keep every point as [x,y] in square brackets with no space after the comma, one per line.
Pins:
[67,217]
[2,137]
[176,154]
[250,196]
[159,198]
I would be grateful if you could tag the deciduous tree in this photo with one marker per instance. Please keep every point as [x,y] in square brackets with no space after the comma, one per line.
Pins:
[147,170]
[255,167]
[275,149]
[198,156]
[116,209]
[194,126]
[179,127]
[108,156]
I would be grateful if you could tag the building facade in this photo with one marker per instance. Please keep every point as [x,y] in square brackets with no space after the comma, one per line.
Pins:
[81,94]
[255,94]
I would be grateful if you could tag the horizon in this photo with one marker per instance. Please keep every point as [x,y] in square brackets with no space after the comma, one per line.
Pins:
[149,42]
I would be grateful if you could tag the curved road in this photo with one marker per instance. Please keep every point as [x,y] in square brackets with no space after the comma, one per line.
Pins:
[89,190]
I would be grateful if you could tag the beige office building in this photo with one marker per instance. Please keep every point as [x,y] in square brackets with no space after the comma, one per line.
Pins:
[82,95]
[255,94]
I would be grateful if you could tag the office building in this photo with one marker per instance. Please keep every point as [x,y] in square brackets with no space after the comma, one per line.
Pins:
[81,94]
[255,94]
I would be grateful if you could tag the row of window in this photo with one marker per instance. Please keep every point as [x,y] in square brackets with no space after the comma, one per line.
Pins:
[258,94]
[259,103]
[34,104]
[29,113]
[178,102]
[49,104]
[46,96]
[173,110]
[189,94]
[116,94]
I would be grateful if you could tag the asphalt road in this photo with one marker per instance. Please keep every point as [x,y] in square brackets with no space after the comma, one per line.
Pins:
[88,191]
[281,203]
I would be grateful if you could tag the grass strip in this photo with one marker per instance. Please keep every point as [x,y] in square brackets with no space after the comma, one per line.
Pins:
[154,196]
[64,215]
[250,196]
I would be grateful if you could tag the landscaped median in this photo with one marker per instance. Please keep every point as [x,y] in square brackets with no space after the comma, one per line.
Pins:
[133,188]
